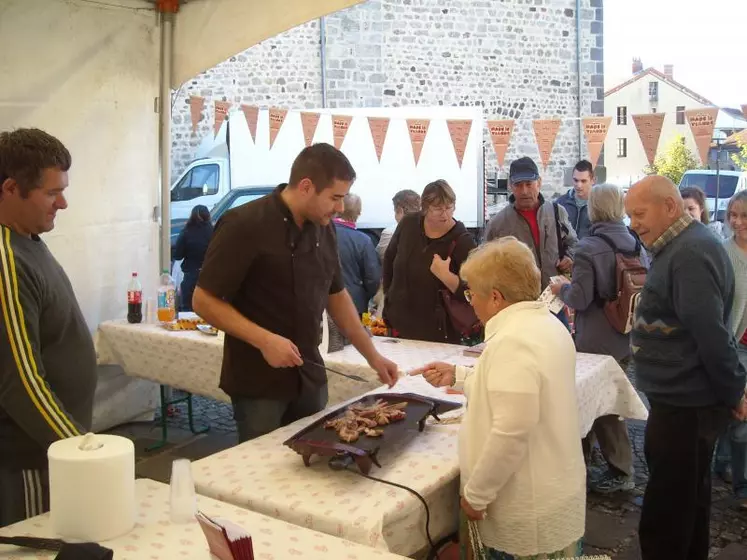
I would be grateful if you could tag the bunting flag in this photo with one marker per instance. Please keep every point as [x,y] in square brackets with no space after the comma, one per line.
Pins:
[418,129]
[546,131]
[649,131]
[379,127]
[251,114]
[309,122]
[459,131]
[702,122]
[221,112]
[500,133]
[744,111]
[277,118]
[595,130]
[340,126]
[196,105]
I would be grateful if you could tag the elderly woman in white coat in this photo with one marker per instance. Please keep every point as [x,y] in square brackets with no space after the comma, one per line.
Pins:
[523,478]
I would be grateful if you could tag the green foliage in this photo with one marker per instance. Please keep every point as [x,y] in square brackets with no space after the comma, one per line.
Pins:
[740,158]
[673,161]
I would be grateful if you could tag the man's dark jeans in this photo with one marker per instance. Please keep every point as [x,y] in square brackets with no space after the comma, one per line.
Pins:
[257,417]
[675,518]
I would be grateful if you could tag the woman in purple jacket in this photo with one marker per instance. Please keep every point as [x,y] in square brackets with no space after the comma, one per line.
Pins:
[594,281]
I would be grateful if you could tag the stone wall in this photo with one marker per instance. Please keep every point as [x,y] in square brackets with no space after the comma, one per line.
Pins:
[515,58]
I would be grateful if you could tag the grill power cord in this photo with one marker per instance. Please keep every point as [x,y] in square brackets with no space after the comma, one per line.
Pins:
[434,547]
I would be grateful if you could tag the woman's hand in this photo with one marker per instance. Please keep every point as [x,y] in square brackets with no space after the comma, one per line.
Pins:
[440,267]
[471,513]
[557,284]
[438,374]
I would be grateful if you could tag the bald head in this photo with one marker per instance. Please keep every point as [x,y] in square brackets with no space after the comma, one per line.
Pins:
[653,204]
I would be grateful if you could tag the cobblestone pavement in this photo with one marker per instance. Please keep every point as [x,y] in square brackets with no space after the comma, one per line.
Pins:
[612,521]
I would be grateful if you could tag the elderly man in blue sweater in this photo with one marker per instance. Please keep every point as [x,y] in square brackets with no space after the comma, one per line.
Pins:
[687,365]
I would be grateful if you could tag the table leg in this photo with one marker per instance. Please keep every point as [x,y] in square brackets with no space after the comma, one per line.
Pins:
[165,404]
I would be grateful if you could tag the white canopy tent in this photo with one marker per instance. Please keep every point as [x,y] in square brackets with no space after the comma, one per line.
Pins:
[88,71]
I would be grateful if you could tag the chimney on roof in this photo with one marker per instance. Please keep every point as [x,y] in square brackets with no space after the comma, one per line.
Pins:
[669,71]
[637,66]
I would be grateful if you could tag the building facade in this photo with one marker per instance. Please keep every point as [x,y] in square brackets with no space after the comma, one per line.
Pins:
[648,91]
[516,59]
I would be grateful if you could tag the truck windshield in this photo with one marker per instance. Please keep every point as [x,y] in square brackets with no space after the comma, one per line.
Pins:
[726,184]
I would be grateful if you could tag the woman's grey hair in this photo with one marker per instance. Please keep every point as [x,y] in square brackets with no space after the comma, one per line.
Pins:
[741,196]
[606,203]
[353,207]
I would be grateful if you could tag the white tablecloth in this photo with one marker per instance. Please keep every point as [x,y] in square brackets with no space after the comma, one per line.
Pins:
[156,538]
[265,476]
[191,361]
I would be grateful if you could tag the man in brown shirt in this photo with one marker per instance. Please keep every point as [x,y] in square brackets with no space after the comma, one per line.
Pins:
[270,270]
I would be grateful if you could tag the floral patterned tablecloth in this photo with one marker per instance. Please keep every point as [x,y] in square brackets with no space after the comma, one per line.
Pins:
[156,538]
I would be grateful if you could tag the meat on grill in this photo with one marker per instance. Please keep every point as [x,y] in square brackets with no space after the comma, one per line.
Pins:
[359,419]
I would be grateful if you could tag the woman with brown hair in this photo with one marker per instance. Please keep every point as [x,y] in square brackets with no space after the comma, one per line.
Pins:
[422,260]
[695,205]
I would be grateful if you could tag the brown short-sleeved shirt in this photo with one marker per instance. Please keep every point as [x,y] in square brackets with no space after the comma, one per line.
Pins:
[279,276]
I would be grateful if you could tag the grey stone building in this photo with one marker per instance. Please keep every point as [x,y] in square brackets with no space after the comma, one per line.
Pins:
[516,59]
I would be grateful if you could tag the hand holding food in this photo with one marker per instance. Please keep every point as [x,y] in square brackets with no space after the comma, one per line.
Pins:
[438,374]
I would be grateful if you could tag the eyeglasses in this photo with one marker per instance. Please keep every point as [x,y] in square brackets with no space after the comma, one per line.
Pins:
[441,209]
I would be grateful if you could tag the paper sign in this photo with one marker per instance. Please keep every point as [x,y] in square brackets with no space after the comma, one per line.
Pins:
[340,126]
[500,133]
[418,129]
[649,131]
[702,122]
[459,131]
[553,303]
[379,127]
[309,122]
[196,105]
[595,130]
[221,112]
[277,118]
[251,114]
[546,131]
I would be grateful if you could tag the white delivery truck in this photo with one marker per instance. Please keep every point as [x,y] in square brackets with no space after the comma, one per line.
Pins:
[234,160]
[722,185]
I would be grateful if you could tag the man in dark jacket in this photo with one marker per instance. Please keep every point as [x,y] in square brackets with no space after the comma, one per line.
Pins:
[575,201]
[361,271]
[686,362]
[47,360]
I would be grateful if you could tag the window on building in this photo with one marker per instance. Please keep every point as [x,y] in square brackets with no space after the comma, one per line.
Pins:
[622,115]
[680,114]
[653,109]
[622,147]
[653,91]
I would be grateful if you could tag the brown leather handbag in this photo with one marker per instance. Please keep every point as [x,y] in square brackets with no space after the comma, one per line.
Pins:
[459,312]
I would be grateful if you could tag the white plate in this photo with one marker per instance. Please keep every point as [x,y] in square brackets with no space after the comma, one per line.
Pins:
[207,329]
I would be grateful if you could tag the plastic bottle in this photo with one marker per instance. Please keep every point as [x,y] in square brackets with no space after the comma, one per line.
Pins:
[134,300]
[166,298]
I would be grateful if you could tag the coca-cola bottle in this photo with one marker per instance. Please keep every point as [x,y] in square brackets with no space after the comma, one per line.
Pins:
[134,300]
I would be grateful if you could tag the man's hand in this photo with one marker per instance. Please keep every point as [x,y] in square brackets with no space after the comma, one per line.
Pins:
[557,283]
[472,514]
[280,352]
[386,369]
[740,413]
[438,374]
[565,265]
[440,267]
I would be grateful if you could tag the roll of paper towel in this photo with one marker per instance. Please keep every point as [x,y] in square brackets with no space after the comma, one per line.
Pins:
[92,487]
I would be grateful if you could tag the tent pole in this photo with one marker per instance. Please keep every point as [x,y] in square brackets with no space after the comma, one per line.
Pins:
[168,9]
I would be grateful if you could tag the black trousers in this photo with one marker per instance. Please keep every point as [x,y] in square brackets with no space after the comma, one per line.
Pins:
[675,518]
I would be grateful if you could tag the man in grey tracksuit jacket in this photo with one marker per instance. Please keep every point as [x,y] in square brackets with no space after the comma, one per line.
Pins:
[531,219]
